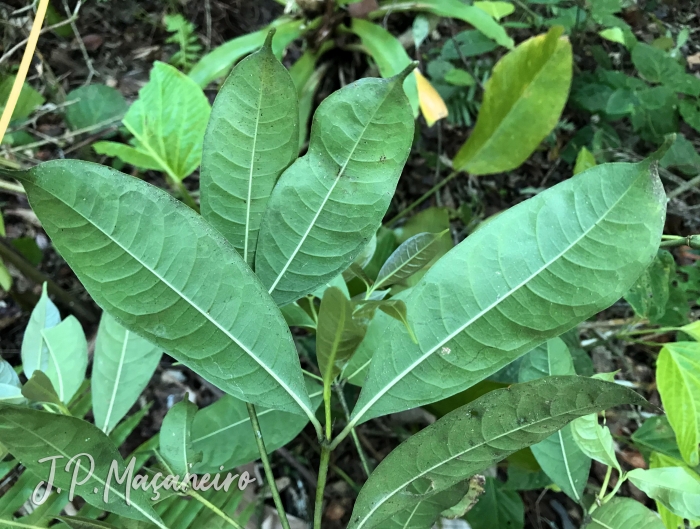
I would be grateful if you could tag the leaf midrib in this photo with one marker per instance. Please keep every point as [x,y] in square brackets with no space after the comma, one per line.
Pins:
[56,367]
[497,302]
[460,454]
[108,415]
[93,475]
[330,192]
[206,316]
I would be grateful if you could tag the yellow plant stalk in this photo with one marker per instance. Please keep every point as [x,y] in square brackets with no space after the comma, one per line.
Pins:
[431,104]
[23,67]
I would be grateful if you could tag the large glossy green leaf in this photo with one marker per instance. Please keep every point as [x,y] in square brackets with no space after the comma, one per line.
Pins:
[217,62]
[409,258]
[68,357]
[674,487]
[329,203]
[168,121]
[678,379]
[558,455]
[10,386]
[498,507]
[528,275]
[32,435]
[222,431]
[176,445]
[45,315]
[388,53]
[337,333]
[624,513]
[475,436]
[252,136]
[523,100]
[123,364]
[164,273]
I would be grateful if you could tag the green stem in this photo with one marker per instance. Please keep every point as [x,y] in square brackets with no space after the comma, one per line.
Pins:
[437,187]
[322,475]
[185,194]
[266,465]
[201,499]
[327,407]
[619,483]
[691,240]
[12,188]
[606,480]
[353,433]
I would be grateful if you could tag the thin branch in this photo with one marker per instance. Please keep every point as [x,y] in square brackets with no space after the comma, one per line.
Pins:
[14,48]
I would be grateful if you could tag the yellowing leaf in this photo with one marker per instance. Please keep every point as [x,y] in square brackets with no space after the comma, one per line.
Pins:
[431,104]
[497,10]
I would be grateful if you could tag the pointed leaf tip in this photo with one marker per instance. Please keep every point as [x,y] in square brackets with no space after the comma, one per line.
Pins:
[407,71]
[268,39]
[669,140]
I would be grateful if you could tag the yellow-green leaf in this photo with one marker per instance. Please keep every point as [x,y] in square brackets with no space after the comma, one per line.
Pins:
[497,10]
[523,100]
[584,160]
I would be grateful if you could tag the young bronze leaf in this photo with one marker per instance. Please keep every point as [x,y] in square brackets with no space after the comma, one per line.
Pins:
[170,278]
[528,275]
[474,437]
[523,100]
[329,203]
[252,136]
[32,435]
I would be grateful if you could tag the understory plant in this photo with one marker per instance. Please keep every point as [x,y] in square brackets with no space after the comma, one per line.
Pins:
[284,241]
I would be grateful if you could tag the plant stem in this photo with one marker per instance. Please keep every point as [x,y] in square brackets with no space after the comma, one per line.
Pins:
[12,188]
[606,480]
[322,475]
[353,433]
[327,407]
[185,194]
[423,198]
[266,465]
[201,499]
[23,67]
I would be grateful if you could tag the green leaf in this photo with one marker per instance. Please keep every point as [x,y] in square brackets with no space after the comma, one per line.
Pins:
[470,42]
[624,513]
[497,10]
[523,100]
[558,455]
[157,289]
[217,62]
[131,155]
[176,445]
[595,440]
[498,507]
[532,273]
[95,103]
[473,437]
[77,522]
[222,431]
[656,435]
[389,54]
[678,380]
[656,66]
[682,155]
[408,259]
[585,160]
[68,357]
[168,121]
[330,202]
[459,77]
[613,35]
[337,334]
[32,435]
[469,14]
[251,138]
[520,479]
[295,316]
[690,111]
[671,520]
[650,294]
[674,487]
[40,389]
[10,386]
[29,99]
[123,365]
[549,358]
[34,352]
